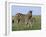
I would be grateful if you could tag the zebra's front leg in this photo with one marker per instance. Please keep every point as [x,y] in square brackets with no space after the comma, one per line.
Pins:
[30,24]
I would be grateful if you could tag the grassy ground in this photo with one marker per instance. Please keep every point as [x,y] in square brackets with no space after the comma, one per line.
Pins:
[36,25]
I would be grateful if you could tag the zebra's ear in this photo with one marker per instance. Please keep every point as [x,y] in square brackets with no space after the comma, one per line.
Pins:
[30,11]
